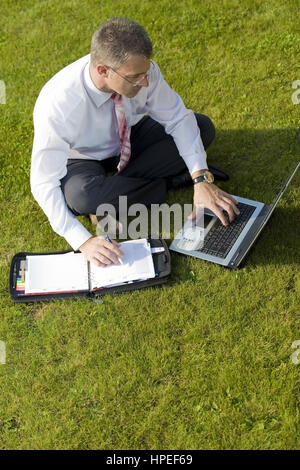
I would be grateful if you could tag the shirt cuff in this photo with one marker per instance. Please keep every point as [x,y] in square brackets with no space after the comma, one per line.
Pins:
[196,162]
[77,235]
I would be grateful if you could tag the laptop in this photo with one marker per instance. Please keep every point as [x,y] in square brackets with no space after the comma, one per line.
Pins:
[227,246]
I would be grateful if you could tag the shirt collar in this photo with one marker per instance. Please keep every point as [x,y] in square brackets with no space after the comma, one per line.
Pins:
[99,97]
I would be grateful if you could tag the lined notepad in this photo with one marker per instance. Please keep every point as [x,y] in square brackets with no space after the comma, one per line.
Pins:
[70,272]
[137,265]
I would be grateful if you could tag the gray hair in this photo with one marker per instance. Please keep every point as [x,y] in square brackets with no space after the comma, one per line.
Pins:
[116,40]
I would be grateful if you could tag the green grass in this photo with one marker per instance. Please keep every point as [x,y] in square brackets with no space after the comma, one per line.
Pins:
[203,362]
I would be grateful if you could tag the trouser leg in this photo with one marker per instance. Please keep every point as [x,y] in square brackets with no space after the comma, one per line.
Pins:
[154,158]
[86,186]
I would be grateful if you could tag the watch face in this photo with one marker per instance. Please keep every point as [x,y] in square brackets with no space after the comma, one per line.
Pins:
[209,177]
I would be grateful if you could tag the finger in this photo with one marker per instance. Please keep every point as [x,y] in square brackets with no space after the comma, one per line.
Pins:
[102,240]
[233,206]
[115,243]
[111,255]
[219,214]
[97,262]
[227,202]
[113,247]
[197,207]
[228,208]
[192,216]
[228,196]
[100,256]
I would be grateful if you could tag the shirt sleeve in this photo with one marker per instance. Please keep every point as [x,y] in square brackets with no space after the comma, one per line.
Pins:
[48,167]
[166,106]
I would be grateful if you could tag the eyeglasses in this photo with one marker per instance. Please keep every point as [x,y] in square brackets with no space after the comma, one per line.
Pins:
[146,75]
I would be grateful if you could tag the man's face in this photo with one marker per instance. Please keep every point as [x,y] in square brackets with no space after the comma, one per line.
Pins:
[123,79]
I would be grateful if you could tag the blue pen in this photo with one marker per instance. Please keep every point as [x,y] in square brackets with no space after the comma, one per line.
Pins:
[109,240]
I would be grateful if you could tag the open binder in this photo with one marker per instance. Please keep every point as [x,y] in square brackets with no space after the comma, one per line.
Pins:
[67,274]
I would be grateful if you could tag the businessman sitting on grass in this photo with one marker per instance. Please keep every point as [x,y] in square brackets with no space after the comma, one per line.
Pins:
[113,110]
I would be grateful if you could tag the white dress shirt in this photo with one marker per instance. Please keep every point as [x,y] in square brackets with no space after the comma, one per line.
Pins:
[73,119]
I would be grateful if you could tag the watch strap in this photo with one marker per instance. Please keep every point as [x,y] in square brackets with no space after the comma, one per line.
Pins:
[198,179]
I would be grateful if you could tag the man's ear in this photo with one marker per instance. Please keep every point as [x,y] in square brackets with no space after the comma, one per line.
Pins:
[102,70]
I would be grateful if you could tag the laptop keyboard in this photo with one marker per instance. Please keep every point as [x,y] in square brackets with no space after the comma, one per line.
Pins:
[220,239]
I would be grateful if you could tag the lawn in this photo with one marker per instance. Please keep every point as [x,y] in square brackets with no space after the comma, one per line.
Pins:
[203,362]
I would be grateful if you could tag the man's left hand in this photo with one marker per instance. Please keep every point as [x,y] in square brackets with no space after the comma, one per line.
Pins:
[210,196]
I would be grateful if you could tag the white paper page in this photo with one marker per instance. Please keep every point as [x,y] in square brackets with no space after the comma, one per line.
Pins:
[137,264]
[56,273]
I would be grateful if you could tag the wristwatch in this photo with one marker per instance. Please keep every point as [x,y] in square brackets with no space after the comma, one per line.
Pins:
[206,176]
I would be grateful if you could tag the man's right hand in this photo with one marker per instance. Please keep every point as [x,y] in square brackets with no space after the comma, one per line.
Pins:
[212,197]
[101,252]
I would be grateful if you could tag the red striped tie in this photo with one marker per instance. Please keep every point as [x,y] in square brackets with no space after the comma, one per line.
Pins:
[124,131]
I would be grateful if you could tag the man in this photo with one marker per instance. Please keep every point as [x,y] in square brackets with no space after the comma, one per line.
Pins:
[91,118]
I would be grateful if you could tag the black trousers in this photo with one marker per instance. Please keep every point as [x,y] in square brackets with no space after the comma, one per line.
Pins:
[154,159]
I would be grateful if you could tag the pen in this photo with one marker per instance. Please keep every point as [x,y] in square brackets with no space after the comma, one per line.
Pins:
[109,240]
